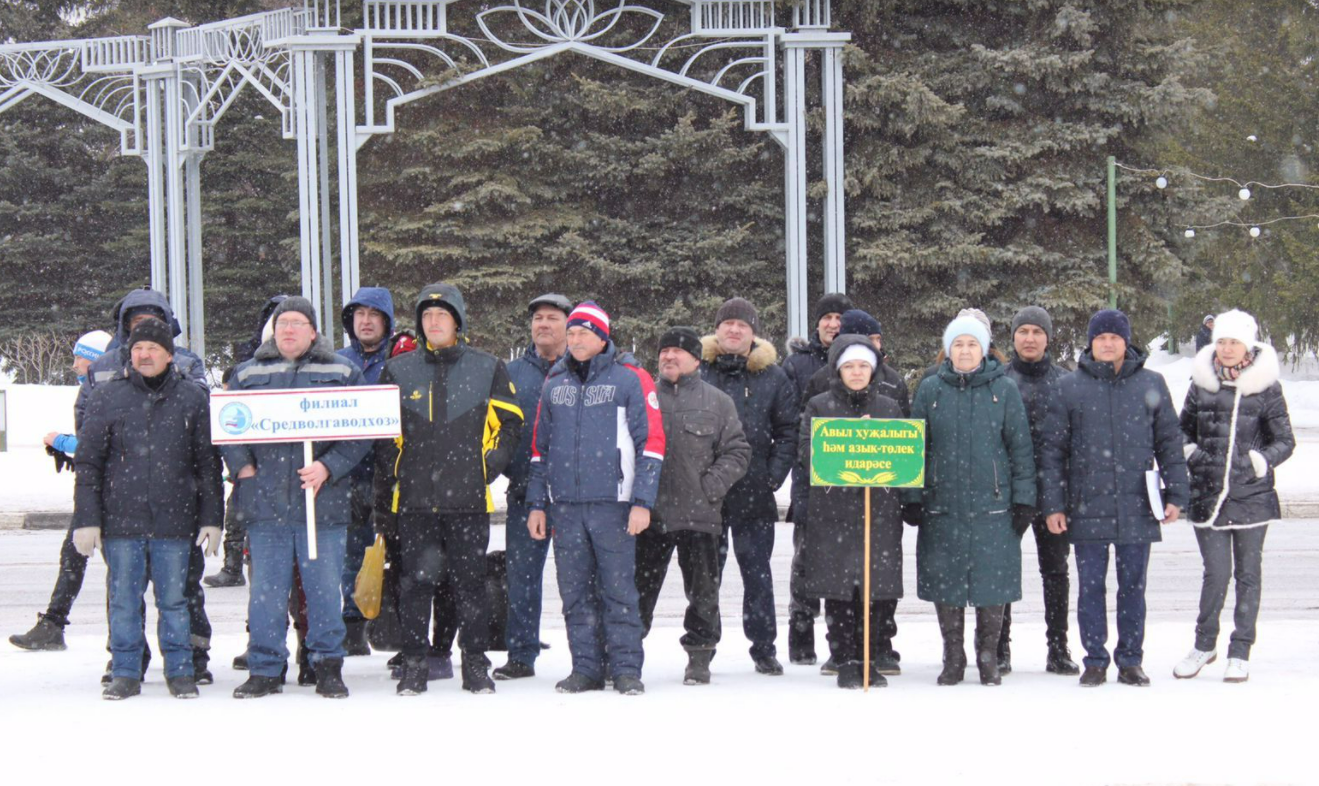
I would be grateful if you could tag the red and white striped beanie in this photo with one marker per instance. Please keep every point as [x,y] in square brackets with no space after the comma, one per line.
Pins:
[592,317]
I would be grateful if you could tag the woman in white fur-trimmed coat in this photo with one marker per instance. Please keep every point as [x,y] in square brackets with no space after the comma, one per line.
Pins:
[1237,430]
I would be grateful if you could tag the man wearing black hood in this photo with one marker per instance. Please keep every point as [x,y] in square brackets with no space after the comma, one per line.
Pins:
[461,423]
[806,359]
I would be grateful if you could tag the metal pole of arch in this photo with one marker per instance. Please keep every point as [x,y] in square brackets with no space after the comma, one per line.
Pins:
[1112,232]
[307,460]
[865,604]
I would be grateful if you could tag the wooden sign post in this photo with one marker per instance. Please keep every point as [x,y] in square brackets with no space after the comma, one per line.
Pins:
[868,453]
[305,415]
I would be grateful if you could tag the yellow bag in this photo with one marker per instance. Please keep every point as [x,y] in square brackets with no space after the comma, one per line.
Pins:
[371,580]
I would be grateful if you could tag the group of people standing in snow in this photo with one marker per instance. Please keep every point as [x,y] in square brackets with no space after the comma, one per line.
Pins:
[619,471]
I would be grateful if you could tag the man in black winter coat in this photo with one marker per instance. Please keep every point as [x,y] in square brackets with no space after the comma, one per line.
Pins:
[460,422]
[1112,418]
[705,454]
[887,382]
[1037,378]
[744,367]
[148,489]
[1205,335]
[806,359]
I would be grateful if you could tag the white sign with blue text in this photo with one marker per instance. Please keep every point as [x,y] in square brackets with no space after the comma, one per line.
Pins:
[304,414]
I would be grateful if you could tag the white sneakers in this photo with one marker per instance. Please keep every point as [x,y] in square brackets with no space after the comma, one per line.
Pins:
[1190,666]
[1238,670]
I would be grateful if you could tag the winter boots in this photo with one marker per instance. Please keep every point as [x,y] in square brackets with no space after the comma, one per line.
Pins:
[628,685]
[45,636]
[1004,658]
[1094,677]
[1060,661]
[1238,670]
[698,667]
[1190,666]
[201,661]
[257,687]
[1133,675]
[231,574]
[952,626]
[989,625]
[475,678]
[801,640]
[329,679]
[121,688]
[850,676]
[306,674]
[355,642]
[514,670]
[412,680]
[182,687]
[769,666]
[578,683]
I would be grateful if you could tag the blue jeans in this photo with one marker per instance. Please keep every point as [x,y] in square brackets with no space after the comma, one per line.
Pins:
[275,548]
[360,537]
[1133,560]
[596,561]
[526,571]
[753,544]
[132,562]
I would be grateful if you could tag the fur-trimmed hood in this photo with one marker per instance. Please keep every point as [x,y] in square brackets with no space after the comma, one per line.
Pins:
[1257,378]
[763,354]
[322,351]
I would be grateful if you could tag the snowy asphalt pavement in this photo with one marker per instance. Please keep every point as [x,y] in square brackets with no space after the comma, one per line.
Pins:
[1037,728]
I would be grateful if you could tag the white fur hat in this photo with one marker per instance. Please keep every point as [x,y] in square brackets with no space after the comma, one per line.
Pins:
[1236,324]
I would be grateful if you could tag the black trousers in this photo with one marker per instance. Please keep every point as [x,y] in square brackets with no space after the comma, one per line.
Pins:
[844,619]
[698,559]
[73,568]
[1052,550]
[434,546]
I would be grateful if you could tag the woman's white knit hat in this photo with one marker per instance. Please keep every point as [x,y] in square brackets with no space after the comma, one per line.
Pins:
[1237,324]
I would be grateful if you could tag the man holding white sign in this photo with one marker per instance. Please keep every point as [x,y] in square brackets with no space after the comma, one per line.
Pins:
[271,484]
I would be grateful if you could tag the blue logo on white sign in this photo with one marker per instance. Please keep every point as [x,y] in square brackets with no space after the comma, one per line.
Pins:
[235,418]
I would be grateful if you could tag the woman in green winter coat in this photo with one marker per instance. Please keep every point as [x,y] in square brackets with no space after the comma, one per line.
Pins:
[979,496]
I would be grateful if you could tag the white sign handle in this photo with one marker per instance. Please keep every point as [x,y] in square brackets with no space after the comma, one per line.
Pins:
[307,460]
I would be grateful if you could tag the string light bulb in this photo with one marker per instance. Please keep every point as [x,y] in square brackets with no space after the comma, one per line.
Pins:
[1254,231]
[1161,182]
[1190,233]
[1243,194]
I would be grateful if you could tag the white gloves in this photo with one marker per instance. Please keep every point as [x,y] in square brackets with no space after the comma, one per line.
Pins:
[210,536]
[1188,449]
[1260,463]
[87,540]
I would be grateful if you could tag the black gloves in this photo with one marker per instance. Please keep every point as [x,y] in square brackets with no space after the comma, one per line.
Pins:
[1022,517]
[913,513]
[62,459]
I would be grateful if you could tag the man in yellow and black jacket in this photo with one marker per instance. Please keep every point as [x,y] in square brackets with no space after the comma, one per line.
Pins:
[461,424]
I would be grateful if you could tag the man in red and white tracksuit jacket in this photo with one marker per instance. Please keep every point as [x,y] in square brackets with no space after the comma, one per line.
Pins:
[597,450]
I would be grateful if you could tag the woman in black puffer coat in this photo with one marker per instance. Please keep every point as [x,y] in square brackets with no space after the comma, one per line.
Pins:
[1237,430]
[834,540]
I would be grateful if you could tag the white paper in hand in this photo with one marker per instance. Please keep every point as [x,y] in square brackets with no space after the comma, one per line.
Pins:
[1153,490]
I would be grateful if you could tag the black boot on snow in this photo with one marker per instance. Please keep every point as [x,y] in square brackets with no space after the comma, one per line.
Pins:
[306,674]
[801,640]
[225,578]
[201,672]
[475,677]
[628,685]
[412,677]
[769,666]
[45,636]
[121,688]
[698,667]
[182,687]
[256,687]
[329,679]
[578,683]
[513,670]
[240,662]
[1004,659]
[987,664]
[849,676]
[1060,662]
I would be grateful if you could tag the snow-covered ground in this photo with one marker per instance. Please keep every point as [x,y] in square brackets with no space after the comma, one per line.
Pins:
[1035,729]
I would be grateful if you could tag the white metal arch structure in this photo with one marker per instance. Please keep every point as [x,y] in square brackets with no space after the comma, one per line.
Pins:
[165,91]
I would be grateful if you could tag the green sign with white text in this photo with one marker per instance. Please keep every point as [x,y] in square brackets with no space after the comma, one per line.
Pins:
[867,452]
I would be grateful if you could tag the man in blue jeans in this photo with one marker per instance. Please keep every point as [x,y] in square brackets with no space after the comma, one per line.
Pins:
[1107,424]
[147,490]
[269,492]
[597,452]
[526,556]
